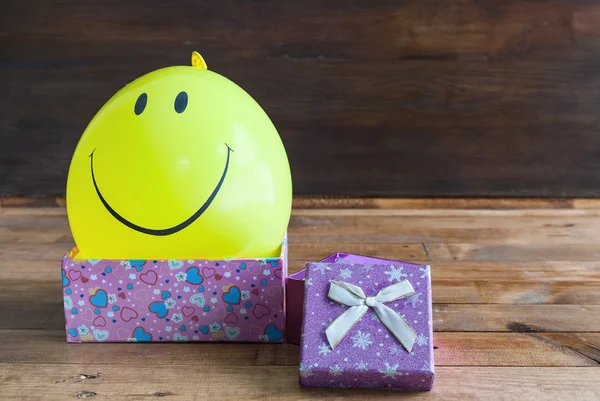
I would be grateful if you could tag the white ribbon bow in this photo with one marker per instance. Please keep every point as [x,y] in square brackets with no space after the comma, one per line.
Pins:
[354,297]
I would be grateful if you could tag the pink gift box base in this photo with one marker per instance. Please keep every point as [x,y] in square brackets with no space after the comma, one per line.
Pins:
[239,300]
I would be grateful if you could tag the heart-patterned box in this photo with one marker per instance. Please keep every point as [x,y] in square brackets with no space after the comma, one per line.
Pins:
[239,300]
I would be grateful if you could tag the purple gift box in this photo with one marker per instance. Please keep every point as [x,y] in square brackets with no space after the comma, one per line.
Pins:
[239,300]
[388,341]
[294,296]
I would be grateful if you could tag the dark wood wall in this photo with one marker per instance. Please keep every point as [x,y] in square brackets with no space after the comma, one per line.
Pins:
[371,97]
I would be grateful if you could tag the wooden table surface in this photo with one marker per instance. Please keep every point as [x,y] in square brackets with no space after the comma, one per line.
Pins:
[516,291]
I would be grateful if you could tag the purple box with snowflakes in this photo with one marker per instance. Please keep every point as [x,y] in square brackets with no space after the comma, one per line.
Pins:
[239,300]
[367,323]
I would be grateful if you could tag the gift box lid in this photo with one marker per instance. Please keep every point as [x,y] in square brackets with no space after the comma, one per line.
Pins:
[295,291]
[369,355]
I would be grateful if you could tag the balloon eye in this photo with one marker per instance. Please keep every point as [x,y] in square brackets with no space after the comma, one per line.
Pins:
[140,104]
[181,102]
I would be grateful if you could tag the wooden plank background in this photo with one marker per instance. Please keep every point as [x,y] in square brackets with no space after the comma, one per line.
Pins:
[516,306]
[371,97]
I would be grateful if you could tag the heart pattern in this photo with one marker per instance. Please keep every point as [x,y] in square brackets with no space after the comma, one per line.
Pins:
[219,312]
[159,309]
[150,277]
[141,335]
[175,264]
[65,280]
[231,318]
[208,272]
[101,335]
[261,311]
[141,295]
[232,332]
[128,314]
[74,275]
[99,299]
[273,333]
[232,296]
[188,311]
[99,321]
[193,276]
[138,265]
[135,300]
[197,299]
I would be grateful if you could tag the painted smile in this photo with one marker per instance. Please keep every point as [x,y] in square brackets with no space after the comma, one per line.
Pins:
[164,231]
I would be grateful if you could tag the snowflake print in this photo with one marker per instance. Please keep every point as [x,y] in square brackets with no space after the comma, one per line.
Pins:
[345,274]
[227,274]
[110,315]
[397,349]
[321,267]
[324,349]
[366,268]
[414,300]
[390,371]
[267,272]
[395,273]
[181,276]
[308,282]
[132,276]
[305,371]
[361,340]
[336,370]
[425,271]
[373,316]
[361,365]
[93,277]
[168,329]
[421,340]
[186,289]
[426,367]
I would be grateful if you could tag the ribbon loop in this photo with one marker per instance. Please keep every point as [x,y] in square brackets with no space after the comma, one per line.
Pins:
[353,296]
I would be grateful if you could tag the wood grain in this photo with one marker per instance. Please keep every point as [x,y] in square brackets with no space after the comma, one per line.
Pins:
[413,98]
[453,349]
[516,294]
[30,205]
[59,382]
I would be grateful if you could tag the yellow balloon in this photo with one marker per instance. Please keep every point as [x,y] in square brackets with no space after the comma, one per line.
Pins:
[179,164]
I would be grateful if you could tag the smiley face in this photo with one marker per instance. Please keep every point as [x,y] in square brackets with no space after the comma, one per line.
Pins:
[179,164]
